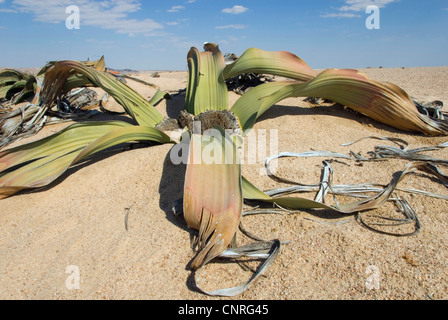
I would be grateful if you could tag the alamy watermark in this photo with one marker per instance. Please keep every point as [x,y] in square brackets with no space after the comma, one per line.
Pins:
[373,278]
[253,147]
[73,281]
[73,21]
[373,22]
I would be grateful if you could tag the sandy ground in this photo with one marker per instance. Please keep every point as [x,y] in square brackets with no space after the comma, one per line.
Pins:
[110,217]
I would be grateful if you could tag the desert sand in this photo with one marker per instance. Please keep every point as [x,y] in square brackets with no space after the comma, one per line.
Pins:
[111,216]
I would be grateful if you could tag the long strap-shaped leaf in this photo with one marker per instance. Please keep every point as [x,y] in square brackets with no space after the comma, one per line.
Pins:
[250,106]
[40,163]
[12,81]
[383,102]
[135,105]
[11,76]
[70,138]
[206,89]
[295,203]
[213,201]
[279,63]
[213,198]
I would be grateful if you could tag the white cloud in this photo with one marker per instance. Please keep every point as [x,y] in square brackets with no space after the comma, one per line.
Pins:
[235,10]
[8,10]
[176,9]
[356,6]
[340,15]
[105,14]
[361,5]
[231,26]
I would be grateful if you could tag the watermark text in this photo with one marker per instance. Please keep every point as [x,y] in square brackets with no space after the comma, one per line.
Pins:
[73,21]
[373,21]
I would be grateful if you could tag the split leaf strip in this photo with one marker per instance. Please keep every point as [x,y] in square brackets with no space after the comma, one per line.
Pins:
[400,142]
[268,251]
[326,183]
[411,155]
[411,217]
[370,203]
[20,123]
[403,151]
[354,191]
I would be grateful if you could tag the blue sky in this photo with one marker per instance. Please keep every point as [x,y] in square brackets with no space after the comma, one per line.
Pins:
[156,35]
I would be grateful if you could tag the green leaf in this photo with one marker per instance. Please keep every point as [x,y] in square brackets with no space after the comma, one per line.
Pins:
[206,89]
[158,97]
[12,82]
[251,105]
[10,76]
[383,102]
[4,90]
[279,63]
[39,163]
[135,105]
